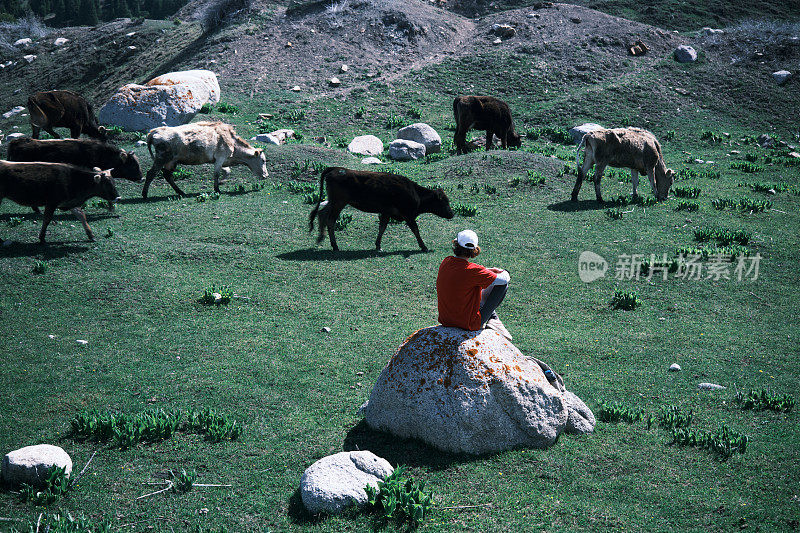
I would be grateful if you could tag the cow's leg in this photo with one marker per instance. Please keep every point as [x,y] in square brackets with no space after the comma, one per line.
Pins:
[52,132]
[460,138]
[582,172]
[48,216]
[35,131]
[332,216]
[75,133]
[151,174]
[78,212]
[220,170]
[383,221]
[504,140]
[322,221]
[651,175]
[489,138]
[598,175]
[412,224]
[168,176]
[635,182]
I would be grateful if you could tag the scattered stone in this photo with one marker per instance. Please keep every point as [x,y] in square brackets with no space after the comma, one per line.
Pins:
[61,41]
[710,386]
[685,54]
[131,34]
[405,150]
[423,134]
[334,82]
[265,116]
[344,68]
[131,48]
[674,367]
[580,419]
[32,464]
[336,482]
[277,137]
[29,58]
[82,342]
[710,31]
[217,297]
[771,191]
[782,76]
[578,132]
[576,20]
[684,92]
[51,336]
[14,111]
[765,141]
[288,44]
[735,152]
[23,43]
[296,88]
[371,161]
[141,143]
[711,162]
[467,392]
[11,136]
[698,161]
[325,329]
[534,15]
[796,155]
[365,145]
[504,31]
[498,41]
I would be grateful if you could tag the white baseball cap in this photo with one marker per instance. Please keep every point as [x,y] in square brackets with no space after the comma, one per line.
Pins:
[467,239]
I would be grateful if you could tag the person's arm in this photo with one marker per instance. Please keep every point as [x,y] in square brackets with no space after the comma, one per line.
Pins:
[502,277]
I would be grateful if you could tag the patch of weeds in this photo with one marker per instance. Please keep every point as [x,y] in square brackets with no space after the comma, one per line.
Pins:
[614,412]
[214,426]
[703,234]
[13,222]
[686,192]
[312,198]
[154,425]
[60,523]
[361,112]
[490,189]
[301,187]
[671,417]
[216,296]
[205,197]
[627,301]
[308,167]
[761,186]
[746,166]
[723,443]
[754,206]
[474,189]
[109,232]
[183,481]
[726,237]
[614,214]
[56,484]
[684,205]
[534,178]
[729,253]
[751,158]
[465,210]
[394,122]
[415,112]
[229,109]
[295,115]
[438,156]
[722,203]
[712,136]
[670,135]
[39,267]
[762,399]
[568,169]
[182,174]
[514,182]
[399,498]
[206,109]
[342,222]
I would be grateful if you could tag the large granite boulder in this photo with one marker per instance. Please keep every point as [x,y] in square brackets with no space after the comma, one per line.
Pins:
[472,392]
[365,145]
[578,132]
[403,150]
[423,134]
[197,80]
[685,54]
[33,464]
[337,481]
[143,107]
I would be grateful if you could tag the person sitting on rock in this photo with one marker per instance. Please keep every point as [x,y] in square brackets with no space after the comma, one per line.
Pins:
[467,292]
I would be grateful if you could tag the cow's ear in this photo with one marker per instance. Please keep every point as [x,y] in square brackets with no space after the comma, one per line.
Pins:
[98,177]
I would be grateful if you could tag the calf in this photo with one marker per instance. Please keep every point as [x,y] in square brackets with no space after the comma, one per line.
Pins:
[483,113]
[55,185]
[82,152]
[63,109]
[199,143]
[632,148]
[388,195]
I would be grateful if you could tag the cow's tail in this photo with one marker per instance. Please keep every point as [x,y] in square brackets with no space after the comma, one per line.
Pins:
[150,143]
[36,115]
[578,153]
[314,211]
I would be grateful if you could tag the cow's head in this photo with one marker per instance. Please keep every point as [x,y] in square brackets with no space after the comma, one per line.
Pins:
[105,187]
[439,204]
[514,140]
[129,169]
[664,180]
[258,164]
[102,133]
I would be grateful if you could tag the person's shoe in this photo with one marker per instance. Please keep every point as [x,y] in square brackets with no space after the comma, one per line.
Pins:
[495,324]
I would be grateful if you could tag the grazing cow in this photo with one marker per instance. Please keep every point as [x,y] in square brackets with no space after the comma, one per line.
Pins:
[199,143]
[483,113]
[63,109]
[55,185]
[388,195]
[632,148]
[82,152]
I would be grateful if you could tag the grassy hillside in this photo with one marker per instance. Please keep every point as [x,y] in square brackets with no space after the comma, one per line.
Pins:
[264,360]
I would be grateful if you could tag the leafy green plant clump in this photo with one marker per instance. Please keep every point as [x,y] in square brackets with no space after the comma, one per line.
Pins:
[686,192]
[684,205]
[722,203]
[465,210]
[39,267]
[230,109]
[205,197]
[762,399]
[712,136]
[56,484]
[343,221]
[754,206]
[671,417]
[399,498]
[215,426]
[625,300]
[534,178]
[746,166]
[614,412]
[394,122]
[206,109]
[295,115]
[301,187]
[217,296]
[14,221]
[66,523]
[723,443]
[182,173]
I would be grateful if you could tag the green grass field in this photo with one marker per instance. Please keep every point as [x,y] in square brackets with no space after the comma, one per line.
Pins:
[264,360]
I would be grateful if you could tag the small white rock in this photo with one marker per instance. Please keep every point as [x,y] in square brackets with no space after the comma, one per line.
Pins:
[781,76]
[296,88]
[29,58]
[334,82]
[61,41]
[14,111]
[325,329]
[344,68]
[51,336]
[498,41]
[23,43]
[131,34]
[674,367]
[217,297]
[371,161]
[82,342]
[710,386]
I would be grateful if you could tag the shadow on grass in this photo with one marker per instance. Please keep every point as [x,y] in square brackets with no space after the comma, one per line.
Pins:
[50,250]
[400,451]
[568,206]
[318,254]
[154,199]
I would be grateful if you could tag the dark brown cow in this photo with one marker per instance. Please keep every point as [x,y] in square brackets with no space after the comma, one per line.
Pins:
[81,152]
[632,148]
[55,186]
[63,109]
[388,195]
[483,113]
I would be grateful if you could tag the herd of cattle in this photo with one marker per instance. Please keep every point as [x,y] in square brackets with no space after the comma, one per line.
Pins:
[65,173]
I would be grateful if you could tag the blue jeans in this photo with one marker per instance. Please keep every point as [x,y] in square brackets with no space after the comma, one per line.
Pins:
[491,301]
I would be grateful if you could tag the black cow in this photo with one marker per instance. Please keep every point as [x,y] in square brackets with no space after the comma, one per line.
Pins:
[388,195]
[81,152]
[63,109]
[483,113]
[55,186]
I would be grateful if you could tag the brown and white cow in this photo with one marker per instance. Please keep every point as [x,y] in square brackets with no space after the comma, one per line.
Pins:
[389,195]
[483,113]
[55,186]
[63,109]
[633,148]
[197,144]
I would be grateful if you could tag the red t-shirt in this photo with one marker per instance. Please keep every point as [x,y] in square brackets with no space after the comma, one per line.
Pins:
[458,289]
